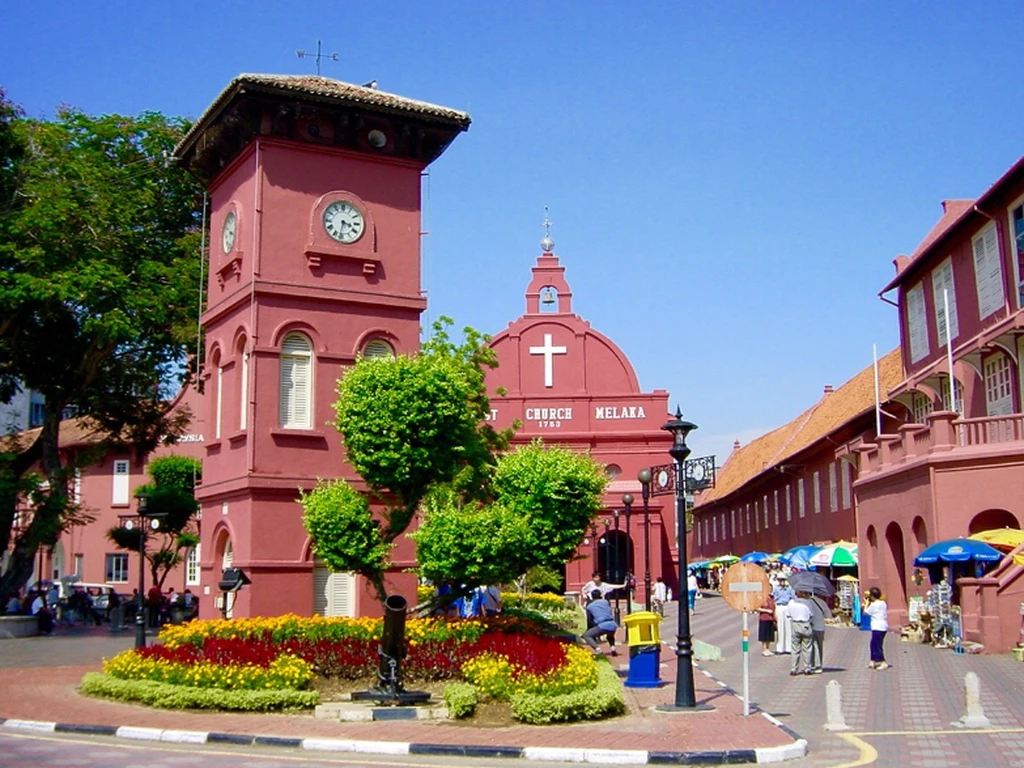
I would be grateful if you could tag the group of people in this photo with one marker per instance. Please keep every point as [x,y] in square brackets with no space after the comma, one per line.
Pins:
[160,604]
[794,621]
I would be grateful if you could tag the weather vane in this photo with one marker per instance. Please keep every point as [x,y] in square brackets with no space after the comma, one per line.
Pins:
[547,244]
[319,55]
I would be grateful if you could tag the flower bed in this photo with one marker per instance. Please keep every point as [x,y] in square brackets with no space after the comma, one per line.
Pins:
[501,657]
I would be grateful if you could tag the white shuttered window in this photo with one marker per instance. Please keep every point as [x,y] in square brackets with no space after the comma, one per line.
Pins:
[296,382]
[998,386]
[917,323]
[942,282]
[988,271]
[119,492]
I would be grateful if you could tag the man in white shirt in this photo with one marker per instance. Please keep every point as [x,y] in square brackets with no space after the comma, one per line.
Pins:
[660,596]
[800,621]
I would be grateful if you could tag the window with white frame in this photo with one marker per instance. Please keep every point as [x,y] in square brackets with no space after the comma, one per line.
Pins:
[119,492]
[917,323]
[76,492]
[748,517]
[943,290]
[1017,233]
[757,516]
[378,348]
[699,532]
[218,416]
[775,503]
[789,503]
[816,488]
[192,571]
[765,511]
[833,488]
[847,471]
[732,521]
[801,499]
[988,271]
[998,386]
[724,536]
[296,382]
[920,405]
[117,568]
[714,529]
[947,404]
[243,388]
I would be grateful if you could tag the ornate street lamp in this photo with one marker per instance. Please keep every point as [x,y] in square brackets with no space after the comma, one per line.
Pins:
[616,565]
[644,476]
[143,520]
[686,698]
[627,502]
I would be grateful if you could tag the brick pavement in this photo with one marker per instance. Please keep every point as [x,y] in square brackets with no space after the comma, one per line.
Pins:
[40,676]
[910,708]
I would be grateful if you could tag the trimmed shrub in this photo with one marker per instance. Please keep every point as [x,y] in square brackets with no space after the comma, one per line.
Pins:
[605,700]
[170,696]
[461,699]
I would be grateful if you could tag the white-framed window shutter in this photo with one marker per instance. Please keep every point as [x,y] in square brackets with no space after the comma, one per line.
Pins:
[296,382]
[119,492]
[917,322]
[988,271]
[942,283]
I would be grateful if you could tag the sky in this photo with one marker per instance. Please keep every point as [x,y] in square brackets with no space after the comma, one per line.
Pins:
[728,182]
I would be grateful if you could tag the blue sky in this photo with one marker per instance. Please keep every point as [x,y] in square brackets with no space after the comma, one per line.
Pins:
[728,182]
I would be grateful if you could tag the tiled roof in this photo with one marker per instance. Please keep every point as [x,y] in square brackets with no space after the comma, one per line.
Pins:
[332,90]
[73,432]
[852,399]
[952,212]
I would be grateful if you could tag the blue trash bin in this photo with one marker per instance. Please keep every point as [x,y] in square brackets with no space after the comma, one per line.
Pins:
[643,667]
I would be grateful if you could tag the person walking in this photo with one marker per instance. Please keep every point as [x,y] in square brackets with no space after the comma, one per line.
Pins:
[691,590]
[660,596]
[783,594]
[766,625]
[601,621]
[819,612]
[878,610]
[799,612]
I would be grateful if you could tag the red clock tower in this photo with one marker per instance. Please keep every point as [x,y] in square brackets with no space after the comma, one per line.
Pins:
[314,259]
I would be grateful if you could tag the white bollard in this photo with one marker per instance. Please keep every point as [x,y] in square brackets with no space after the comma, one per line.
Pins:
[834,707]
[975,717]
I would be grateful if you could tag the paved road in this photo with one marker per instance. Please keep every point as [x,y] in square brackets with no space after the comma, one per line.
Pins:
[25,750]
[906,713]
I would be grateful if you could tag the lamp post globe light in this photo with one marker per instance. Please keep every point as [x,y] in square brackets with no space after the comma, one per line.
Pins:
[686,699]
[644,476]
[627,502]
[142,521]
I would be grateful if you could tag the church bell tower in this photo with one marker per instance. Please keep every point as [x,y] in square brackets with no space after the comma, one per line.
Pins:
[314,259]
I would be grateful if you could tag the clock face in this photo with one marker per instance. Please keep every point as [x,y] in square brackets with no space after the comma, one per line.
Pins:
[343,221]
[228,233]
[697,472]
[662,479]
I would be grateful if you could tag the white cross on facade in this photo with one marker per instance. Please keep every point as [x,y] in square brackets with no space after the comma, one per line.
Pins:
[549,352]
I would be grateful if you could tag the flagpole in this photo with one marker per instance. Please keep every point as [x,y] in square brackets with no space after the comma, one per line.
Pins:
[949,350]
[878,404]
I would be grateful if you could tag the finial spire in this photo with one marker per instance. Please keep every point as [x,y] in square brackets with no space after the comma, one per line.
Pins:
[547,244]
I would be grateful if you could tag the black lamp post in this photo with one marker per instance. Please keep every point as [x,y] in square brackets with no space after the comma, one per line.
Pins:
[627,502]
[686,698]
[644,476]
[617,565]
[142,521]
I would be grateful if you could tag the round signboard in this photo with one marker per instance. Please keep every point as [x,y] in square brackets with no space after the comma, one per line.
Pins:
[745,586]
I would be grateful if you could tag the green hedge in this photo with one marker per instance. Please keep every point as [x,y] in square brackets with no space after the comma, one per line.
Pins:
[169,696]
[461,699]
[605,700]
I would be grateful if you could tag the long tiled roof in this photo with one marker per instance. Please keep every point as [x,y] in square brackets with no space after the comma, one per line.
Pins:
[332,90]
[852,399]
[73,432]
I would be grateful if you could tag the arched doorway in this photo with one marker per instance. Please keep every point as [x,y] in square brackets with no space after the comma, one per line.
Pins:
[897,562]
[991,519]
[614,556]
[920,530]
[869,555]
[227,558]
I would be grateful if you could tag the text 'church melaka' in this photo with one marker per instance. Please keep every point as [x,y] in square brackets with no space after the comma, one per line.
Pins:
[315,220]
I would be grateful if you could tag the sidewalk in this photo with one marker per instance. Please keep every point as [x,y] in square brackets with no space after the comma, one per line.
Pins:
[41,674]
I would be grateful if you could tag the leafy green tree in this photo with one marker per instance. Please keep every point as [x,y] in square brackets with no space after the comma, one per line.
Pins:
[544,499]
[408,423]
[99,279]
[172,495]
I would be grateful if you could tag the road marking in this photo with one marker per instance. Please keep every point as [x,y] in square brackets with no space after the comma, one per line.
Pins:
[868,754]
[163,746]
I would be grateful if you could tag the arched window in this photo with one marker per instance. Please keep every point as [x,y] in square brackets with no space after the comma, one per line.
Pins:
[296,382]
[243,385]
[378,348]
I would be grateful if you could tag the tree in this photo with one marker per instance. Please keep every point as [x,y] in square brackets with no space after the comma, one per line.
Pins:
[409,423]
[544,499]
[99,279]
[172,495]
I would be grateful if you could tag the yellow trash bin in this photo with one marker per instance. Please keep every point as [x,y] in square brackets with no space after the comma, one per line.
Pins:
[644,640]
[642,628]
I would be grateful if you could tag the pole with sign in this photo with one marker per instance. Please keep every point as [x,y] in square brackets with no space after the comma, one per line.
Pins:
[745,587]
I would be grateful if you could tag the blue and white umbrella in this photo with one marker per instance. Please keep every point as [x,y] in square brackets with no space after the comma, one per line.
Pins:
[797,557]
[958,551]
[756,557]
